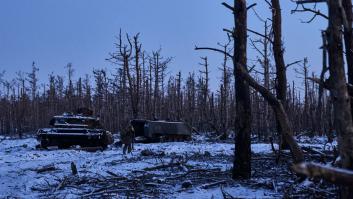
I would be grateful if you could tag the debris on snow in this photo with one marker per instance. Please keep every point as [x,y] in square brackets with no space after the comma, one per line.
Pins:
[196,169]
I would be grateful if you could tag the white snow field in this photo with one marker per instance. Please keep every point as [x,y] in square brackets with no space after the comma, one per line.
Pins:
[20,160]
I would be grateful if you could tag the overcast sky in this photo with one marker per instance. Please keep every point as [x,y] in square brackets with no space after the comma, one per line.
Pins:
[55,32]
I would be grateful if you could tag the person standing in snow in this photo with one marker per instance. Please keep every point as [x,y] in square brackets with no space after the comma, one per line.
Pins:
[127,138]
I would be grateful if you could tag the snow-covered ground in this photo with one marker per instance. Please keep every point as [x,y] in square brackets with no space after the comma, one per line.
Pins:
[20,160]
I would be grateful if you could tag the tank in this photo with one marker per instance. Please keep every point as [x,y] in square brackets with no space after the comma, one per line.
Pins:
[74,129]
[160,131]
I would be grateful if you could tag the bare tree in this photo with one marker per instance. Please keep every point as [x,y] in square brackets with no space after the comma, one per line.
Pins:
[281,76]
[337,80]
[33,82]
[348,39]
[242,160]
[337,83]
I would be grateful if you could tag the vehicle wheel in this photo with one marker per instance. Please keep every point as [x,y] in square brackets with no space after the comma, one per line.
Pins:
[44,144]
[104,147]
[163,139]
[187,138]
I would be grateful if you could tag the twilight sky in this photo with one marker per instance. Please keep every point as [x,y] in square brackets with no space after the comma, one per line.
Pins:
[55,32]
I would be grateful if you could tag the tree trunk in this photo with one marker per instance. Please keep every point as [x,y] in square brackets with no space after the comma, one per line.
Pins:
[319,113]
[348,38]
[341,102]
[348,41]
[281,86]
[266,66]
[242,159]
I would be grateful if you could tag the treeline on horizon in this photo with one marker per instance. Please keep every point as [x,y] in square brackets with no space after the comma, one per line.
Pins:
[141,88]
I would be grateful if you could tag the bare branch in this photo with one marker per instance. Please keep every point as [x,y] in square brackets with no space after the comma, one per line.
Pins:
[214,49]
[259,34]
[251,6]
[309,1]
[228,6]
[293,63]
[305,9]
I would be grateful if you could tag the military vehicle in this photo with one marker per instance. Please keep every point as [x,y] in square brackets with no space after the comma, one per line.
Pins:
[160,131]
[74,129]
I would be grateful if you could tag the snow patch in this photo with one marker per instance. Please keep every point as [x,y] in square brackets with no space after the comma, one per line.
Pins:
[19,160]
[216,193]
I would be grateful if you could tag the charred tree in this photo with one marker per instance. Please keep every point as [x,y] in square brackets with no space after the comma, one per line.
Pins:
[337,80]
[281,76]
[242,159]
[348,36]
[348,39]
[224,96]
[242,126]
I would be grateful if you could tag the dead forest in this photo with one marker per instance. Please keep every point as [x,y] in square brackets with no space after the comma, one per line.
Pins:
[250,104]
[140,85]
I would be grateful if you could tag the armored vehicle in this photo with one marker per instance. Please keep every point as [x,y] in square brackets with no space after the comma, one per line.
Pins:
[160,131]
[74,129]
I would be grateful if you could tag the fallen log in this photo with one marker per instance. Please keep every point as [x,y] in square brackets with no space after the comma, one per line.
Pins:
[331,174]
[62,184]
[311,150]
[113,174]
[163,166]
[193,171]
[206,186]
[46,169]
[104,192]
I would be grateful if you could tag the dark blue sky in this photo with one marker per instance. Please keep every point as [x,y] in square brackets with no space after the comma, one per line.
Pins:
[55,32]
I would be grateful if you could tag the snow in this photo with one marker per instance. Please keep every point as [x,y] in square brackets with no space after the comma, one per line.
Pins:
[317,142]
[19,160]
[262,148]
[216,193]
